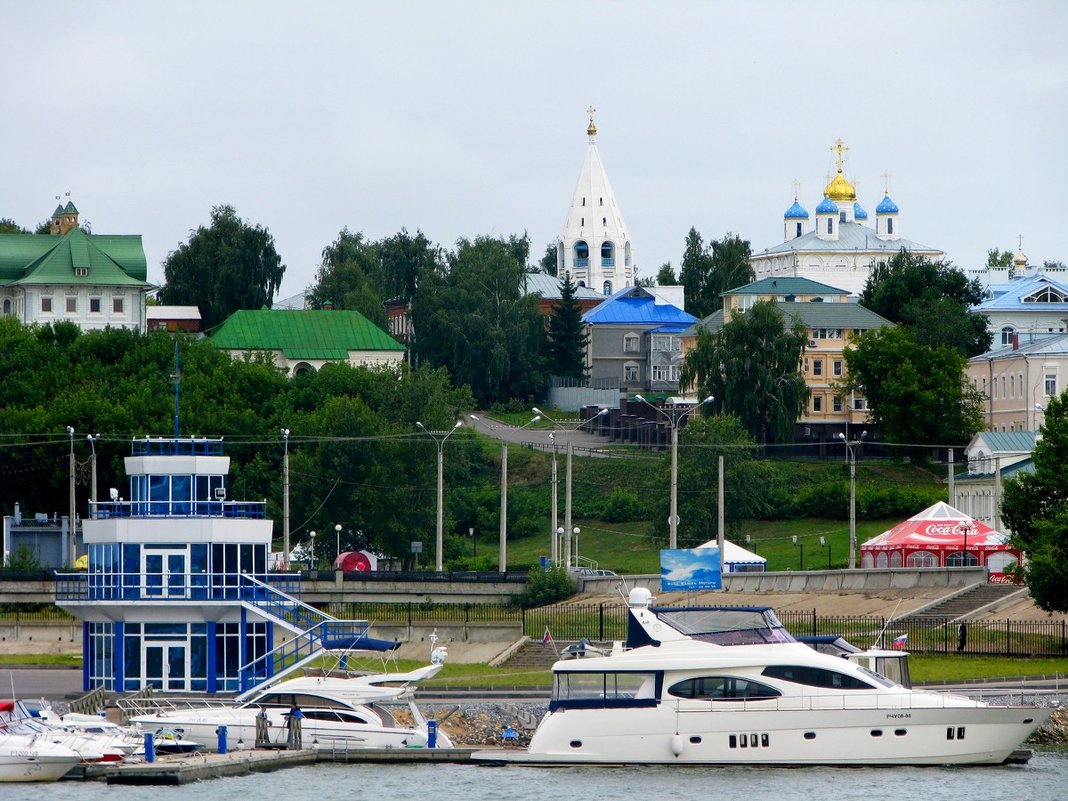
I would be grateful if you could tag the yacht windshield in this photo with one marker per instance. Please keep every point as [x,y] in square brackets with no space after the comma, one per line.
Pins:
[726,625]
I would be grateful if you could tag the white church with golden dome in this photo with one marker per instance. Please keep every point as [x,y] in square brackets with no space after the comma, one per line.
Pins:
[837,246]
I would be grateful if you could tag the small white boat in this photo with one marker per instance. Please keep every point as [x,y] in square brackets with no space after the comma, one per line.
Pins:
[29,758]
[338,711]
[730,686]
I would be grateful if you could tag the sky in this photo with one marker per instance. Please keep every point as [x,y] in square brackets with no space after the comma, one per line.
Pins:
[462,119]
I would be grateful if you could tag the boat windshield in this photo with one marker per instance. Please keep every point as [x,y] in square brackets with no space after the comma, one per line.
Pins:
[600,689]
[726,625]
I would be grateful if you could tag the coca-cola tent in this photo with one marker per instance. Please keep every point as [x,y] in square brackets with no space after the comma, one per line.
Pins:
[941,536]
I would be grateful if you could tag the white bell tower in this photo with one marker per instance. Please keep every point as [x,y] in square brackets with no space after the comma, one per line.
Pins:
[595,246]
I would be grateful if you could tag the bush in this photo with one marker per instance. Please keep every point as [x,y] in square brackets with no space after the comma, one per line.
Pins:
[545,586]
[622,506]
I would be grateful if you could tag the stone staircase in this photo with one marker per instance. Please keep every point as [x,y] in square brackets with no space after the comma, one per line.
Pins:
[965,603]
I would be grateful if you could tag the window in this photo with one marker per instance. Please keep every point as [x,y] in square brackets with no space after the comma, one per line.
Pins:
[631,343]
[836,403]
[922,559]
[631,372]
[859,404]
[608,254]
[46,305]
[72,305]
[830,225]
[582,254]
[666,343]
[723,688]
[607,287]
[1046,295]
[826,333]
[817,403]
[798,230]
[815,677]
[961,559]
[890,225]
[664,372]
[836,367]
[7,306]
[117,305]
[1051,384]
[817,367]
[1006,334]
[94,305]
[81,272]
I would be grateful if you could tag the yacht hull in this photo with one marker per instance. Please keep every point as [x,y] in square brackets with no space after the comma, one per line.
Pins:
[35,763]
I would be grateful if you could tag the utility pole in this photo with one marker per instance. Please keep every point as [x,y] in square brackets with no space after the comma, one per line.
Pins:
[73,527]
[285,501]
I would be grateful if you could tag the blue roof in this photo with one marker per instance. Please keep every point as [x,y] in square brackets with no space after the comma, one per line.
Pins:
[886,206]
[1011,296]
[852,236]
[827,206]
[796,212]
[859,213]
[636,305]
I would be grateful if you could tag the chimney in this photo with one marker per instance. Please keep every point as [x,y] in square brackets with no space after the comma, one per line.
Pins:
[1015,341]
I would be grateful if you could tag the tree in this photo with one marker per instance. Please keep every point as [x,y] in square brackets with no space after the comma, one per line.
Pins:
[665,276]
[932,298]
[227,266]
[548,261]
[349,277]
[750,366]
[1035,509]
[707,273]
[567,335]
[916,394]
[475,320]
[998,258]
[1053,266]
[701,443]
[9,226]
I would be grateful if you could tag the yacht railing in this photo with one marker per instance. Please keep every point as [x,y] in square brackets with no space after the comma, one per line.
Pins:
[889,702]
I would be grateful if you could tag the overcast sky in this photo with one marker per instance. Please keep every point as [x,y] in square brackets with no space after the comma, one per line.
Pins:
[468,118]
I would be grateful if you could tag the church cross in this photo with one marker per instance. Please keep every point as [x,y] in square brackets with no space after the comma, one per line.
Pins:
[886,182]
[591,111]
[797,188]
[1019,242]
[840,148]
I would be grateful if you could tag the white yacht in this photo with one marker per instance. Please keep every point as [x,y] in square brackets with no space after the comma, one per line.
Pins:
[33,758]
[338,711]
[729,685]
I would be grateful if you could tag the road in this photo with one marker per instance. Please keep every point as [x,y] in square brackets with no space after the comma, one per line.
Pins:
[541,437]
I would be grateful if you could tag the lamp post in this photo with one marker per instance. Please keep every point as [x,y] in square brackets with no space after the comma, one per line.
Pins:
[337,549]
[566,528]
[474,542]
[440,531]
[851,451]
[965,529]
[827,545]
[575,535]
[73,536]
[92,481]
[674,421]
[285,500]
[802,547]
[311,536]
[502,556]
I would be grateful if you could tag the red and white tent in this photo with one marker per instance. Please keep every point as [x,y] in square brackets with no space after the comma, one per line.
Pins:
[941,536]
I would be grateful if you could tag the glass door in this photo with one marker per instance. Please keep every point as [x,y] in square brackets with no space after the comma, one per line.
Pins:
[166,666]
[164,573]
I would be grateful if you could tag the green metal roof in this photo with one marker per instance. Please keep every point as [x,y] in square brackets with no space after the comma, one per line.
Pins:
[814,315]
[33,259]
[316,334]
[786,285]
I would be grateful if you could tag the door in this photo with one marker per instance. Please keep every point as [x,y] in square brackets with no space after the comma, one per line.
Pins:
[164,573]
[166,666]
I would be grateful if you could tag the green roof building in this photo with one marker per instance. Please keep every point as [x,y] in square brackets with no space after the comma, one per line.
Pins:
[300,341]
[93,280]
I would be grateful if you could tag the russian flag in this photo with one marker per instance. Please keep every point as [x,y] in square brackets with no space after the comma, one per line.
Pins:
[899,641]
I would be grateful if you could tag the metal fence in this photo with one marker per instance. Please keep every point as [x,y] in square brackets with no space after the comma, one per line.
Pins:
[33,613]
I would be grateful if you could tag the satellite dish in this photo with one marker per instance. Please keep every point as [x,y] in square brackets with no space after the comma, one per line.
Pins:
[114,494]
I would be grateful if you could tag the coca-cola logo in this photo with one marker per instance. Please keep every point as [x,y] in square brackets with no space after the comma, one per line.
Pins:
[942,529]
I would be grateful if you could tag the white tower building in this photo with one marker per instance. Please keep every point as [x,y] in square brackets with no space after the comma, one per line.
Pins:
[595,246]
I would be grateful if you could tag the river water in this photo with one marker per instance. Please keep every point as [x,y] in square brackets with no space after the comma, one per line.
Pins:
[1045,778]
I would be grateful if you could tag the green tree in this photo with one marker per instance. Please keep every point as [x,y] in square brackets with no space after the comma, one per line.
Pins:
[226,266]
[751,367]
[475,320]
[349,277]
[1035,509]
[665,276]
[548,260]
[567,335]
[916,394]
[708,272]
[1050,265]
[701,443]
[998,258]
[9,226]
[932,298]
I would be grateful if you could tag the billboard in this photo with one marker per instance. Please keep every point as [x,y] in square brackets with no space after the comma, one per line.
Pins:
[684,570]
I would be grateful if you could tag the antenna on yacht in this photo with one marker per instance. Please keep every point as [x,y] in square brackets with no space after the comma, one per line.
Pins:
[879,640]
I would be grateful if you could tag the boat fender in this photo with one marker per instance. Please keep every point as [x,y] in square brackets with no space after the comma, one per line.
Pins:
[676,744]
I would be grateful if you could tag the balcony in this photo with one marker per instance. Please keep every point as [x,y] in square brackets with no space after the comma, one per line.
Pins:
[233,510]
[608,261]
[176,447]
[581,262]
[93,587]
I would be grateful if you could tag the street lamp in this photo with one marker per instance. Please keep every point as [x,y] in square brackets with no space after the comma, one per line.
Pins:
[92,483]
[575,535]
[566,528]
[474,542]
[827,545]
[337,532]
[440,532]
[851,450]
[73,536]
[802,547]
[311,536]
[674,421]
[285,500]
[965,529]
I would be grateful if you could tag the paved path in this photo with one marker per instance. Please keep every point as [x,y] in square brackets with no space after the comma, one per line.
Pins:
[540,437]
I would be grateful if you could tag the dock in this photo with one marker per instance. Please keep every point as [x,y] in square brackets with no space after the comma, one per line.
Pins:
[186,768]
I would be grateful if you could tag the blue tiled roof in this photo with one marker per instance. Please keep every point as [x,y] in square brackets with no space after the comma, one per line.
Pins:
[886,206]
[827,206]
[796,212]
[636,305]
[859,213]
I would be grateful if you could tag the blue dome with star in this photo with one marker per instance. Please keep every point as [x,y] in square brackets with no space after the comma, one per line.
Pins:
[859,213]
[887,206]
[796,212]
[827,206]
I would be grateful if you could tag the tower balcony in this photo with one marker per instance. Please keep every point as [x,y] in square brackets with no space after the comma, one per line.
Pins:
[582,262]
[231,510]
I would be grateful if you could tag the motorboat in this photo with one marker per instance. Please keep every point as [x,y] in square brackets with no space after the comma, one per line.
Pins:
[730,685]
[337,710]
[33,758]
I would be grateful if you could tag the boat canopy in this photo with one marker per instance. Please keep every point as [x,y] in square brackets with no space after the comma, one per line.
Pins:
[722,625]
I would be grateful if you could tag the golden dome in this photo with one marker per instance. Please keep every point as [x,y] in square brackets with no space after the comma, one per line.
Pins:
[840,189]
